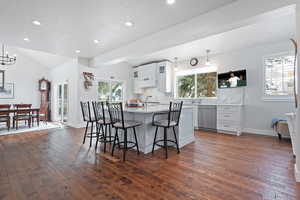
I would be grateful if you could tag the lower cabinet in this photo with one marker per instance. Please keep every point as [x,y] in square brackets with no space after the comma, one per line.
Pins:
[229,119]
[207,117]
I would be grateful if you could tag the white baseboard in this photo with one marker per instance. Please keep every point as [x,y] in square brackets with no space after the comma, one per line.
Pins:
[297,174]
[259,131]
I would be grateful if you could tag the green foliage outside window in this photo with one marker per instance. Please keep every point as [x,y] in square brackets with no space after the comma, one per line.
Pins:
[197,85]
[186,86]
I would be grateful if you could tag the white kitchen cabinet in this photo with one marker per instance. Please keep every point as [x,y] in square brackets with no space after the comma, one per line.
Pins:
[230,110]
[164,77]
[147,75]
[136,82]
[229,119]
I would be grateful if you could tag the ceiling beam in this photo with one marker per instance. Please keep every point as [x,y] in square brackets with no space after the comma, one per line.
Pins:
[229,17]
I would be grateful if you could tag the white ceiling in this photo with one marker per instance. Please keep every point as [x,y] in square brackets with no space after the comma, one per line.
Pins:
[274,29]
[68,25]
[46,59]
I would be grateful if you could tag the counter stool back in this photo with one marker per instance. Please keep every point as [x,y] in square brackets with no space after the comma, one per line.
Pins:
[103,123]
[117,119]
[172,121]
[88,118]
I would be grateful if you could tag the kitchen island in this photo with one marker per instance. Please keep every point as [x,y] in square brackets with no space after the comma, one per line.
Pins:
[145,132]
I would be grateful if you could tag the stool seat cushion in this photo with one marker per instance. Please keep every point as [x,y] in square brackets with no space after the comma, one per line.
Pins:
[107,121]
[127,124]
[164,123]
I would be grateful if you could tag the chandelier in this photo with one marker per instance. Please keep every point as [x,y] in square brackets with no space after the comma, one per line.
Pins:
[5,59]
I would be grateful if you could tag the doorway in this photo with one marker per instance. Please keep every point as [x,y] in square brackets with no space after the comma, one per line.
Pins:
[62,106]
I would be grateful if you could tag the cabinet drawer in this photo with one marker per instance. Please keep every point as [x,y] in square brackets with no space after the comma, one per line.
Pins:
[228,109]
[229,116]
[228,126]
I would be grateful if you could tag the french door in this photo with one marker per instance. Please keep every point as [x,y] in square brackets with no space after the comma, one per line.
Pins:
[62,102]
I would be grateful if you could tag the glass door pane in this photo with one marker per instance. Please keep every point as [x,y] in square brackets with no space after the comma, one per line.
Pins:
[59,102]
[103,90]
[116,91]
[65,104]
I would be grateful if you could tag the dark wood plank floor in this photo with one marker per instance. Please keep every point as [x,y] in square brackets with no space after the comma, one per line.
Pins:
[55,165]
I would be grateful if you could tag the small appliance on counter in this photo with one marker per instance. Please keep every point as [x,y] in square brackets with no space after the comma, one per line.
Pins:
[134,103]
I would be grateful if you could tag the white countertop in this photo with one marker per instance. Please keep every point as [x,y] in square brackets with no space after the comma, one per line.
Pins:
[151,109]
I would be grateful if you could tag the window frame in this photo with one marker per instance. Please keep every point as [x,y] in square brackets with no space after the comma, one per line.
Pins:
[266,97]
[110,82]
[194,72]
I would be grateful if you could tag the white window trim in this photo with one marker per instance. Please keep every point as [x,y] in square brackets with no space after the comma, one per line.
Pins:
[111,81]
[194,72]
[274,98]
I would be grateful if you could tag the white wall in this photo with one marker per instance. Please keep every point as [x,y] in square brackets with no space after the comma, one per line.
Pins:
[258,113]
[120,72]
[297,142]
[25,75]
[67,72]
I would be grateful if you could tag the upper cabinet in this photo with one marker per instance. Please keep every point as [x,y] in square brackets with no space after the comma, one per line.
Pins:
[136,82]
[164,77]
[154,75]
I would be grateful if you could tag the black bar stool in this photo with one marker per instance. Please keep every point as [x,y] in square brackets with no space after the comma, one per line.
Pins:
[87,117]
[117,118]
[103,124]
[171,122]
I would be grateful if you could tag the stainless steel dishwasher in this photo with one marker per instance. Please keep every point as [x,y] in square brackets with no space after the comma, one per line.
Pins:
[207,117]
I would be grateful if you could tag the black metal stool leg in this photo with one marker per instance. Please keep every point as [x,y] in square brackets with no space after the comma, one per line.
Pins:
[109,129]
[176,141]
[125,144]
[104,139]
[154,140]
[91,135]
[165,143]
[136,141]
[85,132]
[98,134]
[114,143]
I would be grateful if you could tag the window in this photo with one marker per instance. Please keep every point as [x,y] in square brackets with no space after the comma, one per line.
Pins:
[110,91]
[279,75]
[199,83]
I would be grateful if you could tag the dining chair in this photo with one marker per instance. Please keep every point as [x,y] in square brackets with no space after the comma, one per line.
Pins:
[23,113]
[41,115]
[89,119]
[119,123]
[169,119]
[4,114]
[103,124]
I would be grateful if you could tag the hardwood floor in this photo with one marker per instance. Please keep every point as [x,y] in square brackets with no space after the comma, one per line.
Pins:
[55,165]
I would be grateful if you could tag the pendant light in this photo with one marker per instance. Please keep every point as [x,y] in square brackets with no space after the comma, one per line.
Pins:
[207,62]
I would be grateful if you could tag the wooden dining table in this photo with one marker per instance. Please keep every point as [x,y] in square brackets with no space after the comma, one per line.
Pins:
[32,110]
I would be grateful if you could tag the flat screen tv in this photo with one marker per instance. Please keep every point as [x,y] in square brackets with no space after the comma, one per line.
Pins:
[232,79]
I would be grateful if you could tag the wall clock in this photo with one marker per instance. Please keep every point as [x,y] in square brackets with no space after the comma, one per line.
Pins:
[194,62]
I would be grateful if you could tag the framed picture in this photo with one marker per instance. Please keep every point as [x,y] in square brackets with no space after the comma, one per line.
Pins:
[1,79]
[8,92]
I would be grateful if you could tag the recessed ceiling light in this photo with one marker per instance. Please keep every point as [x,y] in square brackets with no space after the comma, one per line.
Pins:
[35,22]
[26,39]
[129,24]
[170,2]
[77,51]
[96,41]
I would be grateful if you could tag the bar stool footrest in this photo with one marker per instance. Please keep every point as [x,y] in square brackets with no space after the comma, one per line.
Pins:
[128,142]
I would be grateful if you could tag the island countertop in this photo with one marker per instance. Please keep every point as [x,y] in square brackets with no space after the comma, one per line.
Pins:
[151,109]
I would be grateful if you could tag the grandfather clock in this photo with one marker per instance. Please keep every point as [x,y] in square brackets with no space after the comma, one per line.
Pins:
[44,87]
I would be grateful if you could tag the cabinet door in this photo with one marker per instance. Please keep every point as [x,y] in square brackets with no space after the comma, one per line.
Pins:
[136,82]
[148,75]
[207,117]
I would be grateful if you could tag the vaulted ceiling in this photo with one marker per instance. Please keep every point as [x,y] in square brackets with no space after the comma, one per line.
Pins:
[70,25]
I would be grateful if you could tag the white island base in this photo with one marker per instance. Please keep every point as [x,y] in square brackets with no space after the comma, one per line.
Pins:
[145,132]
